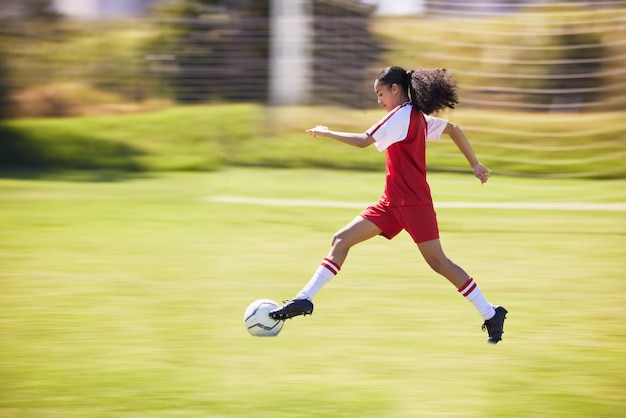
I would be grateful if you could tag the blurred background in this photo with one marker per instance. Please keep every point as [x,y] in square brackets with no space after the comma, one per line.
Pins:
[516,61]
[132,132]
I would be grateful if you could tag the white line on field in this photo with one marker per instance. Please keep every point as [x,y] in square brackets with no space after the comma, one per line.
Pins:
[569,206]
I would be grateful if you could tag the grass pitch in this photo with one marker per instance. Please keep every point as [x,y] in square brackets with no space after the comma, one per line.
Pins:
[124,297]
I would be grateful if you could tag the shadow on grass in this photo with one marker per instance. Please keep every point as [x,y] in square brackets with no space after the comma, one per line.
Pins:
[38,156]
[95,176]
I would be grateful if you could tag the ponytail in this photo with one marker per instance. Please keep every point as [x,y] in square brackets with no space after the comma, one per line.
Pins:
[432,90]
[428,90]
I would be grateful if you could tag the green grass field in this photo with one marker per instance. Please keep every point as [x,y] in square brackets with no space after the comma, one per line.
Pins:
[123,296]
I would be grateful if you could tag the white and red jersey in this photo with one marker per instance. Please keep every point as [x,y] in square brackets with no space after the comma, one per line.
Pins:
[403,133]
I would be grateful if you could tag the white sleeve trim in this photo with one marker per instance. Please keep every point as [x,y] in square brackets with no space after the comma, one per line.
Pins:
[435,127]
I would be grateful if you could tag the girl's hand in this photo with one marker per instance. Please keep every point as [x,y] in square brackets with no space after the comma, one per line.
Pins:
[318,130]
[481,172]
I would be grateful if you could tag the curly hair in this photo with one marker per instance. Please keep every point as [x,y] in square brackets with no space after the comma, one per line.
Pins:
[430,90]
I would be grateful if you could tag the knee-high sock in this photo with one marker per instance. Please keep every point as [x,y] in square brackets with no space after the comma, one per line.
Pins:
[326,271]
[471,292]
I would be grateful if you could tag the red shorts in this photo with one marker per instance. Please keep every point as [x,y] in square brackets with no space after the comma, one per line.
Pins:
[419,221]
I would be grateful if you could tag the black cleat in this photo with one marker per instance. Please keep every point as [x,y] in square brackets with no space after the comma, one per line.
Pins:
[495,325]
[293,308]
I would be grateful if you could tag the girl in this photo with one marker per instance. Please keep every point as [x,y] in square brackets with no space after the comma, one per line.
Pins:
[406,204]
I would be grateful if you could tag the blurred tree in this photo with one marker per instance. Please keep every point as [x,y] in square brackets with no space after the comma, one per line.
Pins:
[16,13]
[578,75]
[219,50]
[5,89]
[212,49]
[344,52]
[41,10]
[21,19]
[570,74]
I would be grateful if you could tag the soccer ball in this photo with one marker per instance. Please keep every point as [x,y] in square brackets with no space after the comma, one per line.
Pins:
[258,321]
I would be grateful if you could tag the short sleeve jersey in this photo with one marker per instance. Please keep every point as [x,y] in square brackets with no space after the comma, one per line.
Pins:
[402,133]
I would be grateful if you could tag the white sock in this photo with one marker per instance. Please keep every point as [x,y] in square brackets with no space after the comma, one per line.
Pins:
[472,294]
[326,271]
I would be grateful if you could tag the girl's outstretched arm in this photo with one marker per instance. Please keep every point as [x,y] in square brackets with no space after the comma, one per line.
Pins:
[464,145]
[360,140]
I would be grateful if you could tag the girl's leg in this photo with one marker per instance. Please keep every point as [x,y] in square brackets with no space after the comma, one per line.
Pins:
[437,260]
[359,230]
[434,256]
[356,231]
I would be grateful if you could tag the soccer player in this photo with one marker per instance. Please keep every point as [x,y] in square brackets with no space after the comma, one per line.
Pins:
[410,98]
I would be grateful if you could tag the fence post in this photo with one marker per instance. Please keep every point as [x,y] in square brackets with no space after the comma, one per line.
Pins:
[290,52]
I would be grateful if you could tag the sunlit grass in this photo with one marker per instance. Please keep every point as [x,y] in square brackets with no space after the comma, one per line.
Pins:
[125,298]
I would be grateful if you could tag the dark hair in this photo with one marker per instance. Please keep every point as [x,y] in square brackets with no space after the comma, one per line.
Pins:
[429,90]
